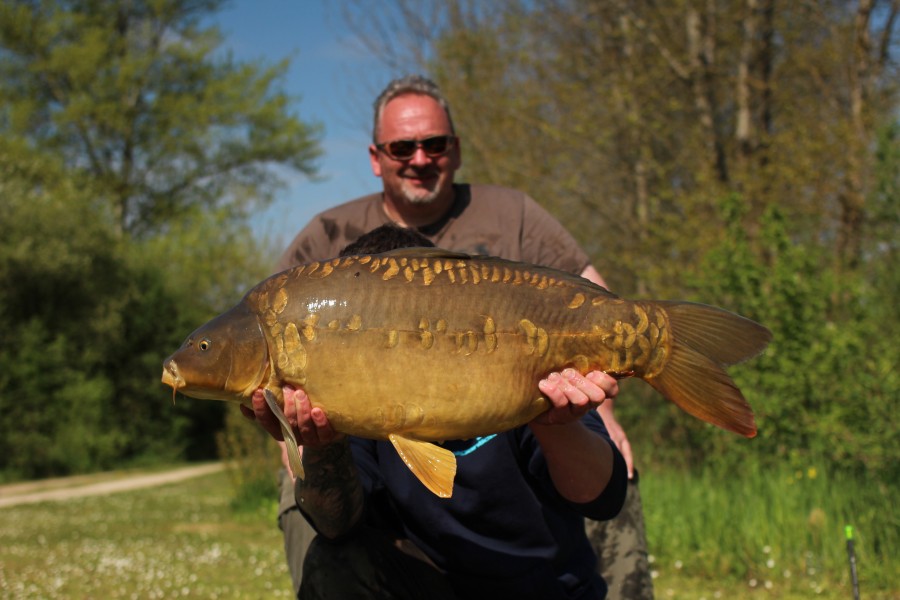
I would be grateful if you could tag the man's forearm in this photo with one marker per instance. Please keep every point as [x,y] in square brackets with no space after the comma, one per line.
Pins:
[331,494]
[580,461]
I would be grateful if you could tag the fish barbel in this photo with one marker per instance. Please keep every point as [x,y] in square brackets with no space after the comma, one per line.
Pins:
[422,345]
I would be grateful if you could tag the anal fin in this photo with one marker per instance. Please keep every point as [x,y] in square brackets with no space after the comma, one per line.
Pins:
[434,466]
[290,441]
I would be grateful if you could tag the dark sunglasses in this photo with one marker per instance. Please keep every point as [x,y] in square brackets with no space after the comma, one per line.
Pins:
[434,147]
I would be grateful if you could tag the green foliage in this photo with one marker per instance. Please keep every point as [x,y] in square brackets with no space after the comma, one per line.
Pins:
[252,460]
[776,524]
[57,266]
[52,409]
[89,321]
[136,96]
[822,390]
[131,154]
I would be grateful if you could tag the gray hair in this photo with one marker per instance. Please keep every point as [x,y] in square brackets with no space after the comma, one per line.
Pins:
[409,84]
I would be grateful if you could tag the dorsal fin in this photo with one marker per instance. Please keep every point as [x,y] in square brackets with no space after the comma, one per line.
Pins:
[421,252]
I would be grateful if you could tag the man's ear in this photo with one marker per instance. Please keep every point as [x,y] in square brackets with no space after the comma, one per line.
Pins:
[373,160]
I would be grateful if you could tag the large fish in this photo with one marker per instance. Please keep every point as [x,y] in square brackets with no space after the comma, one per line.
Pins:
[423,345]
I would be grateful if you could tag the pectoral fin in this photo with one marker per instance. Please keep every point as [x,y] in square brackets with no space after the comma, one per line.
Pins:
[289,440]
[434,466]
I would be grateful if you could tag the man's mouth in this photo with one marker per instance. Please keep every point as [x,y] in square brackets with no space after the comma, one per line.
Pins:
[420,176]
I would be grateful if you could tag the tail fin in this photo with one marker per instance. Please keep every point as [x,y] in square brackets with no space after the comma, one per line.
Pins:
[704,340]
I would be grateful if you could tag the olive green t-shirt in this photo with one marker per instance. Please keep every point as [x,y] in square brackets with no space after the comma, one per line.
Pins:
[484,219]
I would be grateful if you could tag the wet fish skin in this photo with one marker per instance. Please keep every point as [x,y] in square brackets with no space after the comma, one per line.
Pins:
[425,345]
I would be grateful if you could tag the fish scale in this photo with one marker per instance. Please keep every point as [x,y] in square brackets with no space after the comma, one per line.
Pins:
[423,345]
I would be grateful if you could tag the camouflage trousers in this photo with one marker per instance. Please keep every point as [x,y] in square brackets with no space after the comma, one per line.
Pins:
[621,548]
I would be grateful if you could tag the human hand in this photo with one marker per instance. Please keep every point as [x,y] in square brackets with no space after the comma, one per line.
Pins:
[260,412]
[310,425]
[572,395]
[266,421]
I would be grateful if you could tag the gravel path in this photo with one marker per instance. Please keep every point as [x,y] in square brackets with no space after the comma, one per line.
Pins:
[16,494]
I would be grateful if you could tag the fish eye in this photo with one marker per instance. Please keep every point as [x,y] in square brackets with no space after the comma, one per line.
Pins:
[204,345]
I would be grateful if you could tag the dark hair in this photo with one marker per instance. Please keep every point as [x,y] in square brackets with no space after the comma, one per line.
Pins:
[386,238]
[410,84]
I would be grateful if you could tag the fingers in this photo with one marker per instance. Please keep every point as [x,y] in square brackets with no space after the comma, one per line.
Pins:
[573,395]
[299,417]
[311,425]
[264,416]
[607,383]
[571,387]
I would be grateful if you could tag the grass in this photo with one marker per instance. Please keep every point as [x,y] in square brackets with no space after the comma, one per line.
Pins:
[176,541]
[758,535]
[770,534]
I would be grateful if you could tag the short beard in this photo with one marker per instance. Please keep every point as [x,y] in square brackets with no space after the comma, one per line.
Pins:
[417,197]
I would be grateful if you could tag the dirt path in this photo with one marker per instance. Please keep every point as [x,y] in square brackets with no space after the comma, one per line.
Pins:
[77,487]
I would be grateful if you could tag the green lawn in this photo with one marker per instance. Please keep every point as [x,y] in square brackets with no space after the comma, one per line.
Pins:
[709,540]
[176,541]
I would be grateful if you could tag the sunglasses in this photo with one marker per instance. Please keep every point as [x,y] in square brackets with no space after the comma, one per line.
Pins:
[434,147]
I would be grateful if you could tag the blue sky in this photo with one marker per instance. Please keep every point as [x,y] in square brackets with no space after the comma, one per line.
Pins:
[336,81]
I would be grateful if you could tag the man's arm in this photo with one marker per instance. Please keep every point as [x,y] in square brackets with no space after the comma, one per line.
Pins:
[580,461]
[331,494]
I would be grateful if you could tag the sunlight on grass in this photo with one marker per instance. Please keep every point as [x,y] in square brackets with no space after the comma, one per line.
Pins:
[176,541]
[768,534]
[759,535]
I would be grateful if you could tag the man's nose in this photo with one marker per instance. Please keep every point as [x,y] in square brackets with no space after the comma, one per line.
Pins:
[419,158]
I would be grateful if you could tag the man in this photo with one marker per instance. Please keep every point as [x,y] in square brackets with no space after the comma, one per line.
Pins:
[416,153]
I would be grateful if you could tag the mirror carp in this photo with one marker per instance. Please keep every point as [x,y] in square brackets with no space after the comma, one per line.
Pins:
[419,345]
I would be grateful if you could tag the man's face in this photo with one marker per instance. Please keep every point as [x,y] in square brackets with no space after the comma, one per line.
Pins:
[420,179]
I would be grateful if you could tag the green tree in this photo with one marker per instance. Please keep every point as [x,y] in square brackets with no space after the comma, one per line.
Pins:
[631,121]
[87,319]
[823,389]
[136,96]
[132,152]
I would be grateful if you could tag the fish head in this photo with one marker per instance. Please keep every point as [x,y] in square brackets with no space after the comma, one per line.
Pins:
[225,359]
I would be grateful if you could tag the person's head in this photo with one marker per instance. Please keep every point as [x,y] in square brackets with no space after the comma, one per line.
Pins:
[386,238]
[414,147]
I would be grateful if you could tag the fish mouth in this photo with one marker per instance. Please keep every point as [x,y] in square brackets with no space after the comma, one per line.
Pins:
[172,377]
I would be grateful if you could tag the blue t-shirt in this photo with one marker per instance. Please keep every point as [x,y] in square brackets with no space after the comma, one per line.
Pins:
[505,532]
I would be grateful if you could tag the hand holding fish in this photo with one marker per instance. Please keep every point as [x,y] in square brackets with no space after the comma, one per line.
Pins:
[580,462]
[573,395]
[481,333]
[310,425]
